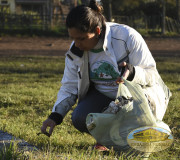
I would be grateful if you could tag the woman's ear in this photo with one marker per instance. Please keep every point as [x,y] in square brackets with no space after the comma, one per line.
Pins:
[98,30]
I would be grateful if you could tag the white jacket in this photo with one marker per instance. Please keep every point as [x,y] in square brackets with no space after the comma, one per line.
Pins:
[120,40]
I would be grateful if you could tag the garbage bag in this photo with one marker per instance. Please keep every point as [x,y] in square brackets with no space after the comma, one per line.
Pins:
[129,111]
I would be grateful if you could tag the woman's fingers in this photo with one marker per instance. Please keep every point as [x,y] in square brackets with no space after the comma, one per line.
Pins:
[125,74]
[122,64]
[48,123]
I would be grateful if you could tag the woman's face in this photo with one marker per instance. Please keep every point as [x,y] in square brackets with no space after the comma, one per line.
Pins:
[84,41]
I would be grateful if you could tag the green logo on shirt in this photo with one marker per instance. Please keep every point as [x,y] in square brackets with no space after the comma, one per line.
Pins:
[103,71]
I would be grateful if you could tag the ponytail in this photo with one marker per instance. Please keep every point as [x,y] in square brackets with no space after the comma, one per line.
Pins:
[95,6]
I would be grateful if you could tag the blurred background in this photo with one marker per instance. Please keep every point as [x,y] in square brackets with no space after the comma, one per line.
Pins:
[40,17]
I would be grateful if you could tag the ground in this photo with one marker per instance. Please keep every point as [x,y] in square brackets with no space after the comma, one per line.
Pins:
[59,46]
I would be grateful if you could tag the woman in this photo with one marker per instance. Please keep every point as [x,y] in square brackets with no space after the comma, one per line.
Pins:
[100,54]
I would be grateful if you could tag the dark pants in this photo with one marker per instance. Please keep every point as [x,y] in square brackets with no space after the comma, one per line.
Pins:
[93,102]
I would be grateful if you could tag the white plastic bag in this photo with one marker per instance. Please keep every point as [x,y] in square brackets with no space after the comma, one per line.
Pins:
[129,111]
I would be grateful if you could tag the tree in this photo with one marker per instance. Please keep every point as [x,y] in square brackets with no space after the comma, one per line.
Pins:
[178,9]
[141,7]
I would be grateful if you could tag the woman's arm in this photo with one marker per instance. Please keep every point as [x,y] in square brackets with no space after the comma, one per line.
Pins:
[141,58]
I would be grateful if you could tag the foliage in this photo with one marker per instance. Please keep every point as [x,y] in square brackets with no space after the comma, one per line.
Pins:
[141,14]
[140,7]
[11,152]
[28,89]
[54,32]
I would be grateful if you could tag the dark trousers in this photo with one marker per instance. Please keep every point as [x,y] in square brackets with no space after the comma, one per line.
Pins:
[93,102]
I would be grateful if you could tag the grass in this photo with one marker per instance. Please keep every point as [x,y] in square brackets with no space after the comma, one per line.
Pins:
[28,89]
[20,31]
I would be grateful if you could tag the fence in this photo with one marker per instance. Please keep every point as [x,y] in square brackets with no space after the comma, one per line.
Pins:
[151,24]
[172,25]
[9,22]
[14,21]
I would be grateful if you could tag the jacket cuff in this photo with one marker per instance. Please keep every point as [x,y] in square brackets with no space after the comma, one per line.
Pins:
[56,117]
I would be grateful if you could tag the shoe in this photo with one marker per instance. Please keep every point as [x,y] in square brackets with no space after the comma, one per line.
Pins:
[101,148]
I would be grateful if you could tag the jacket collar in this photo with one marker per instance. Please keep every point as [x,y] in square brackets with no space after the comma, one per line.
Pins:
[107,37]
[75,50]
[107,46]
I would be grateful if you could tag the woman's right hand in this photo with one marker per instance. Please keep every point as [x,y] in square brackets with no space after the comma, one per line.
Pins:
[48,123]
[125,74]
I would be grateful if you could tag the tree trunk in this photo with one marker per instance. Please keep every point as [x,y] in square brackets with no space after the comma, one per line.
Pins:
[109,11]
[75,3]
[163,16]
[178,9]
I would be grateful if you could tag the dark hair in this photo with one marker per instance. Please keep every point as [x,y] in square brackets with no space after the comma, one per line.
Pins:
[86,19]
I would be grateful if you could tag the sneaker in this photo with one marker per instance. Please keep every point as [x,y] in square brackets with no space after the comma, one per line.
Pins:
[101,148]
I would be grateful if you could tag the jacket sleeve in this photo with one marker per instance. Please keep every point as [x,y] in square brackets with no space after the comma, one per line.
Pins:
[67,94]
[141,58]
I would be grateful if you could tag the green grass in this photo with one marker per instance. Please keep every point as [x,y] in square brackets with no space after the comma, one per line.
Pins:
[28,89]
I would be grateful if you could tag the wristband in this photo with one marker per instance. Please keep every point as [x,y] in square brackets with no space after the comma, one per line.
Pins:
[131,72]
[131,69]
[56,117]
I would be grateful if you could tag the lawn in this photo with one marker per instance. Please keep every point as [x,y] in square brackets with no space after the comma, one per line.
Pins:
[28,89]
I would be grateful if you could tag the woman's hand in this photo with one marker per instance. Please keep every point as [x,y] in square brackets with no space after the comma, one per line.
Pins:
[48,123]
[125,74]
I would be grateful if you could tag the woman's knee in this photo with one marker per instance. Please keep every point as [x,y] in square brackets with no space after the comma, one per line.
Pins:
[79,121]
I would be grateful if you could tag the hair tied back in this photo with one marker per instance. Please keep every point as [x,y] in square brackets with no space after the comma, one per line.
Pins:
[95,6]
